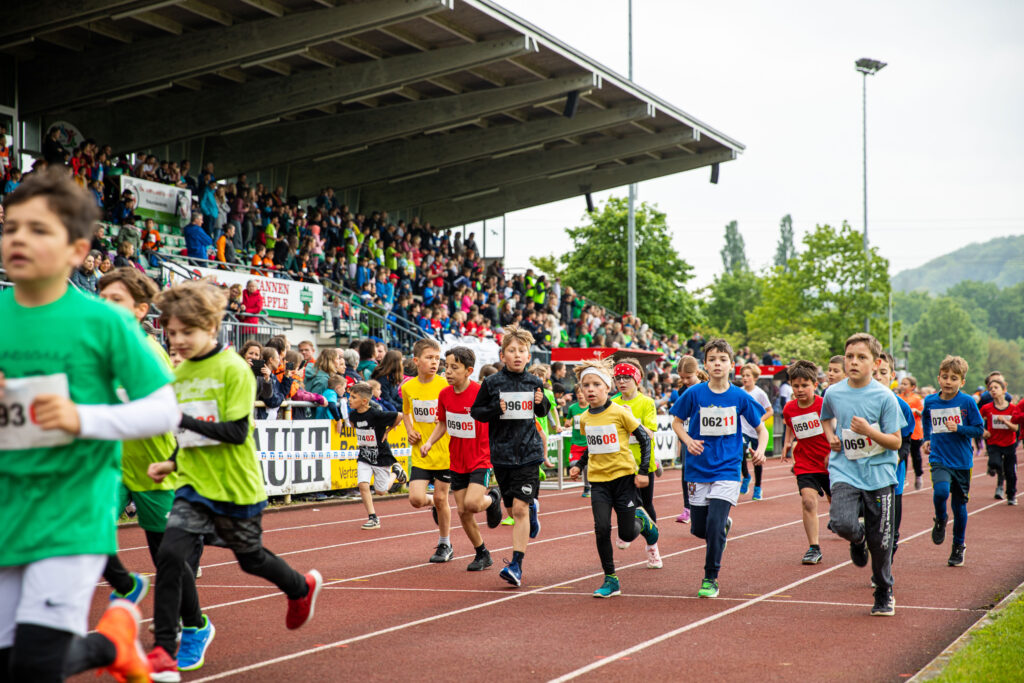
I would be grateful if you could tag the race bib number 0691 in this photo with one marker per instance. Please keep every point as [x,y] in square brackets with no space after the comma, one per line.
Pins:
[857,446]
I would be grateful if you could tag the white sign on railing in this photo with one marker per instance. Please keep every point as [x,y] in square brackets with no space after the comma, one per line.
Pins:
[167,204]
[281,298]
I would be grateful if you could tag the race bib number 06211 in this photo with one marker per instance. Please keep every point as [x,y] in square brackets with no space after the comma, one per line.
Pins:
[718,421]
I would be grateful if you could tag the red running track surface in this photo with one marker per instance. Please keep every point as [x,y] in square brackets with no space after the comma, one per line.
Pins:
[386,613]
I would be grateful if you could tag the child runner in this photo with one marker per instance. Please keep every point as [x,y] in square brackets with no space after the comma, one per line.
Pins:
[862,467]
[749,374]
[509,401]
[951,420]
[375,461]
[908,392]
[578,444]
[883,374]
[428,466]
[836,371]
[1001,436]
[62,355]
[995,466]
[220,484]
[614,478]
[470,451]
[805,439]
[714,447]
[627,376]
[689,374]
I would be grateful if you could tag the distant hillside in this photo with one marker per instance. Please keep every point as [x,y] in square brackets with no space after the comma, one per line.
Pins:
[1000,260]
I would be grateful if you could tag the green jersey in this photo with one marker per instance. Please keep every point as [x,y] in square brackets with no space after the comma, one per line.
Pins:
[60,493]
[220,388]
[139,454]
[643,409]
[575,410]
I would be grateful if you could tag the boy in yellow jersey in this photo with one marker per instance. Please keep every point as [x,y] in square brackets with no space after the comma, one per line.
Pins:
[419,408]
[627,376]
[614,479]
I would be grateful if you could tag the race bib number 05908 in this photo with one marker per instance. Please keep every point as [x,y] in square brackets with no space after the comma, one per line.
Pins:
[807,425]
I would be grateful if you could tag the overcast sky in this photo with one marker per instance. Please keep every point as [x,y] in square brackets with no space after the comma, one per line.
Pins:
[945,139]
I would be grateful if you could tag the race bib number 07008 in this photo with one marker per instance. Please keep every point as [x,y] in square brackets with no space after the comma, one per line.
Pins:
[18,430]
[718,421]
[939,417]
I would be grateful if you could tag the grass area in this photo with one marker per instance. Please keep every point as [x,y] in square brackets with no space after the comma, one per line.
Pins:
[994,652]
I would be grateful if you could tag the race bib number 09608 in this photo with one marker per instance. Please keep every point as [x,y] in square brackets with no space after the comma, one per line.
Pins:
[518,405]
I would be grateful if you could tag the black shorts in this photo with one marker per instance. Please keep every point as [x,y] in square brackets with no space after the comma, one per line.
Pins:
[238,535]
[462,480]
[617,494]
[957,479]
[522,482]
[420,474]
[814,480]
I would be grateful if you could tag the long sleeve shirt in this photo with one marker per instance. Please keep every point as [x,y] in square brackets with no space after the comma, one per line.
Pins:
[514,438]
[952,449]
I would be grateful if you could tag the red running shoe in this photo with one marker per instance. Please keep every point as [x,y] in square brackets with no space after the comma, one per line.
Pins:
[164,666]
[120,625]
[300,611]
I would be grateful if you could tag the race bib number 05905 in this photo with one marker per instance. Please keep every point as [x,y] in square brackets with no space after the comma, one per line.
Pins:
[718,421]
[460,425]
[18,430]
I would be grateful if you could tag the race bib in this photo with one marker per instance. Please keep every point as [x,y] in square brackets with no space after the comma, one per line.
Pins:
[939,417]
[424,411]
[718,421]
[518,405]
[460,425]
[857,446]
[602,439]
[999,424]
[17,429]
[807,425]
[204,411]
[576,422]
[366,438]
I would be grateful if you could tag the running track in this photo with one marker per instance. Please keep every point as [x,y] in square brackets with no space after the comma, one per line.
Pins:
[386,613]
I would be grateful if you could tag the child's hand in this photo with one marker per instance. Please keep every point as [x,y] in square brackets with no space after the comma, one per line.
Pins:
[951,425]
[265,371]
[502,405]
[758,457]
[926,448]
[642,481]
[538,396]
[986,435]
[836,443]
[50,411]
[695,447]
[158,471]
[860,426]
[415,437]
[574,473]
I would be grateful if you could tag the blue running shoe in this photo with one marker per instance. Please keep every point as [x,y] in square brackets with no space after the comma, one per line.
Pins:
[757,493]
[745,485]
[194,642]
[534,518]
[648,529]
[609,588]
[140,587]
[512,573]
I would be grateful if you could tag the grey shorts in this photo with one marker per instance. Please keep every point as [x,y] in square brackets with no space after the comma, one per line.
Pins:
[238,535]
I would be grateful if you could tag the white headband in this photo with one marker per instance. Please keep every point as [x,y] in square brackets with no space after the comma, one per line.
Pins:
[604,376]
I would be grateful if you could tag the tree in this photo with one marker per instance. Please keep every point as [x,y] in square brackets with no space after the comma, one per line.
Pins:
[548,265]
[597,266]
[785,250]
[734,255]
[1005,356]
[908,307]
[830,288]
[731,296]
[946,329]
[802,346]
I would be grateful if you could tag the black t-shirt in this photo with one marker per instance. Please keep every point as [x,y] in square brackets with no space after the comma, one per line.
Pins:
[371,427]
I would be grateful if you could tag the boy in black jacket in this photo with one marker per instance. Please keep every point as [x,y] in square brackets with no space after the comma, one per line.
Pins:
[510,401]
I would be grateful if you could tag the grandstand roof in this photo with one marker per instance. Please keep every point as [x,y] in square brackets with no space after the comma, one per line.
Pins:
[455,109]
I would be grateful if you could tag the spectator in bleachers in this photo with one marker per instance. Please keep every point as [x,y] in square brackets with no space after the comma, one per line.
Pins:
[252,305]
[125,255]
[389,374]
[106,264]
[235,305]
[53,150]
[84,277]
[351,358]
[100,243]
[197,242]
[226,245]
[208,207]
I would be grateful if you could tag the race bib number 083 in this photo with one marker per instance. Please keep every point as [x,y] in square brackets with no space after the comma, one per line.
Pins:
[718,421]
[18,430]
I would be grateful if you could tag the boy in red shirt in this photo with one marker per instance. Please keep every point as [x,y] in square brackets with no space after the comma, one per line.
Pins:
[470,451]
[805,438]
[1001,436]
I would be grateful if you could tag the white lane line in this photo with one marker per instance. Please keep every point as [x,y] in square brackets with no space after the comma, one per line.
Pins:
[604,661]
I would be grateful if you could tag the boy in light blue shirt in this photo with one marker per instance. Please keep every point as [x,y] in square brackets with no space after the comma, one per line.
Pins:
[862,468]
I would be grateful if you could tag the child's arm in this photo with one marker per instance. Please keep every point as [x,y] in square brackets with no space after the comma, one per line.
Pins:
[787,444]
[762,444]
[148,416]
[540,403]
[439,431]
[693,446]
[642,478]
[973,428]
[486,407]
[828,426]
[234,432]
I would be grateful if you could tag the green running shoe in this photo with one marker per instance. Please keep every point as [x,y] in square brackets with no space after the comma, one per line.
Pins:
[648,529]
[508,521]
[609,588]
[708,589]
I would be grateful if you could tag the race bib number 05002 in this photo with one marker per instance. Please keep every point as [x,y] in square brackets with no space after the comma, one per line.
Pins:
[18,430]
[718,421]
[939,417]
[518,405]
[857,446]
[807,425]
[424,411]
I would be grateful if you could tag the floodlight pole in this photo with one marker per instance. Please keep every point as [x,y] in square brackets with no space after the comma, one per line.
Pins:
[631,220]
[867,67]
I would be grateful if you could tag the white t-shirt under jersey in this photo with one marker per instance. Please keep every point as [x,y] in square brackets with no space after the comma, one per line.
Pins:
[757,393]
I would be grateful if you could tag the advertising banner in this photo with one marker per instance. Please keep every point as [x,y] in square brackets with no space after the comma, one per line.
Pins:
[165,204]
[281,298]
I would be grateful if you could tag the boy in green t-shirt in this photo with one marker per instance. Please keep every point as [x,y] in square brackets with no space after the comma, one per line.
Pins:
[578,444]
[60,440]
[220,485]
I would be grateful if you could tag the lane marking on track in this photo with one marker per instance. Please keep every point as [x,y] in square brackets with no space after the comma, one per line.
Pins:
[715,617]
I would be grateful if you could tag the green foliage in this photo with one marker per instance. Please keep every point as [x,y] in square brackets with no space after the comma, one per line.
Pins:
[731,295]
[999,261]
[908,307]
[734,255]
[831,287]
[597,266]
[802,346]
[548,265]
[1005,356]
[946,329]
[785,249]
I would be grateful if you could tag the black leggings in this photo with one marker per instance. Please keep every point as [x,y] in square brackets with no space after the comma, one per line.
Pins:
[682,475]
[915,456]
[121,579]
[708,522]
[645,497]
[606,496]
[758,470]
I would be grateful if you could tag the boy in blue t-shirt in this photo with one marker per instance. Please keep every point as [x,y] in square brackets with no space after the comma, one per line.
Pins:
[862,467]
[951,420]
[714,446]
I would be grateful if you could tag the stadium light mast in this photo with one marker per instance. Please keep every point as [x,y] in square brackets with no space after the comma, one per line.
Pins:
[631,220]
[867,67]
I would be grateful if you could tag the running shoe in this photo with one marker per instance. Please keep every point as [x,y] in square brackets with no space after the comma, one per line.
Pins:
[885,604]
[684,517]
[120,625]
[512,573]
[586,492]
[534,518]
[371,523]
[918,482]
[757,493]
[444,553]
[163,666]
[195,640]
[939,531]
[480,562]
[494,510]
[609,588]
[859,553]
[745,485]
[400,475]
[956,557]
[508,521]
[708,589]
[648,529]
[1000,495]
[622,545]
[812,556]
[1011,501]
[654,557]
[301,610]
[140,587]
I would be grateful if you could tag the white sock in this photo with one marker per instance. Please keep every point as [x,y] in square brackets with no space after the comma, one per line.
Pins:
[445,539]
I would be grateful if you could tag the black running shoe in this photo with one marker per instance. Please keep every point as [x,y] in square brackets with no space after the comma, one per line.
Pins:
[480,563]
[812,556]
[956,557]
[444,553]
[885,604]
[939,531]
[494,510]
[859,553]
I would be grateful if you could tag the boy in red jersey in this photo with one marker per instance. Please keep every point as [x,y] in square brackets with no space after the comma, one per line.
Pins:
[805,438]
[1001,436]
[470,451]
